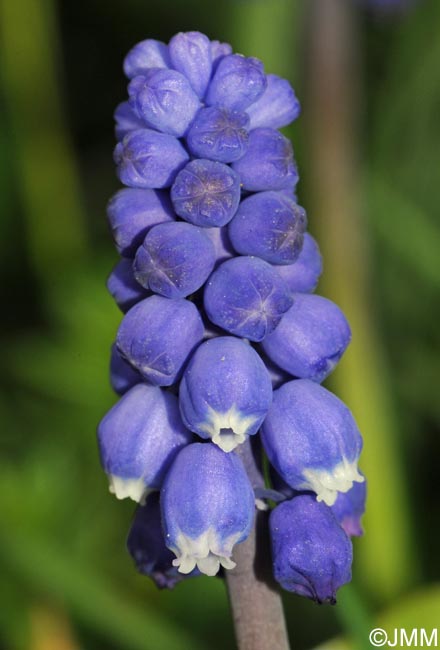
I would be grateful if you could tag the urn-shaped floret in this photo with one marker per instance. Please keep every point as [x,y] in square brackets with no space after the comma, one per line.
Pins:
[246,297]
[174,260]
[138,438]
[207,507]
[124,287]
[312,440]
[349,508]
[190,54]
[157,336]
[237,83]
[302,276]
[146,545]
[312,555]
[310,339]
[225,391]
[277,107]
[145,55]
[218,134]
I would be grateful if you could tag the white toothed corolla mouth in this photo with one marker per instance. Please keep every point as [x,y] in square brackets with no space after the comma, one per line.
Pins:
[229,429]
[205,552]
[326,484]
[133,488]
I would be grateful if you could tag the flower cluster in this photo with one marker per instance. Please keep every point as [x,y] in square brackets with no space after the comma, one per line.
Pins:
[222,337]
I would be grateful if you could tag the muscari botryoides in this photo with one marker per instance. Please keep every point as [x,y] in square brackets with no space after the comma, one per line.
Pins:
[223,342]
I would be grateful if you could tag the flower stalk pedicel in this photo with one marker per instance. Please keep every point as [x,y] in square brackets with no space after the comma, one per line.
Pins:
[210,230]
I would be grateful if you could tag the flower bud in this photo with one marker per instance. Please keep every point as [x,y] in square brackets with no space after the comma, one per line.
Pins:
[246,297]
[225,392]
[164,99]
[312,440]
[207,506]
[302,276]
[190,54]
[123,286]
[218,52]
[146,545]
[349,508]
[206,193]
[157,336]
[126,120]
[139,438]
[268,225]
[237,83]
[145,55]
[132,212]
[277,107]
[312,555]
[218,134]
[149,159]
[268,163]
[174,260]
[222,245]
[310,339]
[122,375]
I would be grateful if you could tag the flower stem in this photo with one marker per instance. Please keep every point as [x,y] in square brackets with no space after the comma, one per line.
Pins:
[256,604]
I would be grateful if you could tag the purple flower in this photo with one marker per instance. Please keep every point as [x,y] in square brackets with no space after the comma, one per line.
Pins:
[349,508]
[207,506]
[149,159]
[302,276]
[268,163]
[138,439]
[277,107]
[268,225]
[246,297]
[218,134]
[310,339]
[145,55]
[312,440]
[190,54]
[157,336]
[312,555]
[237,83]
[126,120]
[122,375]
[123,286]
[206,193]
[225,392]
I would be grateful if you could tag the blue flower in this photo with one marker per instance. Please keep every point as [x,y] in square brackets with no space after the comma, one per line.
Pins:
[174,260]
[138,438]
[207,506]
[349,508]
[312,555]
[218,134]
[268,225]
[144,55]
[225,392]
[312,440]
[126,120]
[237,83]
[157,336]
[310,339]
[246,296]
[190,54]
[131,212]
[123,286]
[206,193]
[148,159]
[122,375]
[277,107]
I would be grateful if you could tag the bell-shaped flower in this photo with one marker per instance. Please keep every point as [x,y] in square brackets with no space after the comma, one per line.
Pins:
[312,440]
[157,336]
[148,159]
[237,83]
[123,286]
[218,51]
[190,54]
[126,120]
[269,225]
[218,134]
[206,193]
[164,99]
[349,508]
[310,339]
[146,545]
[246,297]
[145,55]
[132,212]
[302,276]
[268,163]
[311,553]
[207,506]
[122,375]
[174,260]
[277,107]
[139,438]
[225,391]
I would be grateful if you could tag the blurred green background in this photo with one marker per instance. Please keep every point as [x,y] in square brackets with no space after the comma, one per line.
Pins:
[368,149]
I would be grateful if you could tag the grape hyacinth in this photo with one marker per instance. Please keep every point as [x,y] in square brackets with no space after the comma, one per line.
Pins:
[222,345]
